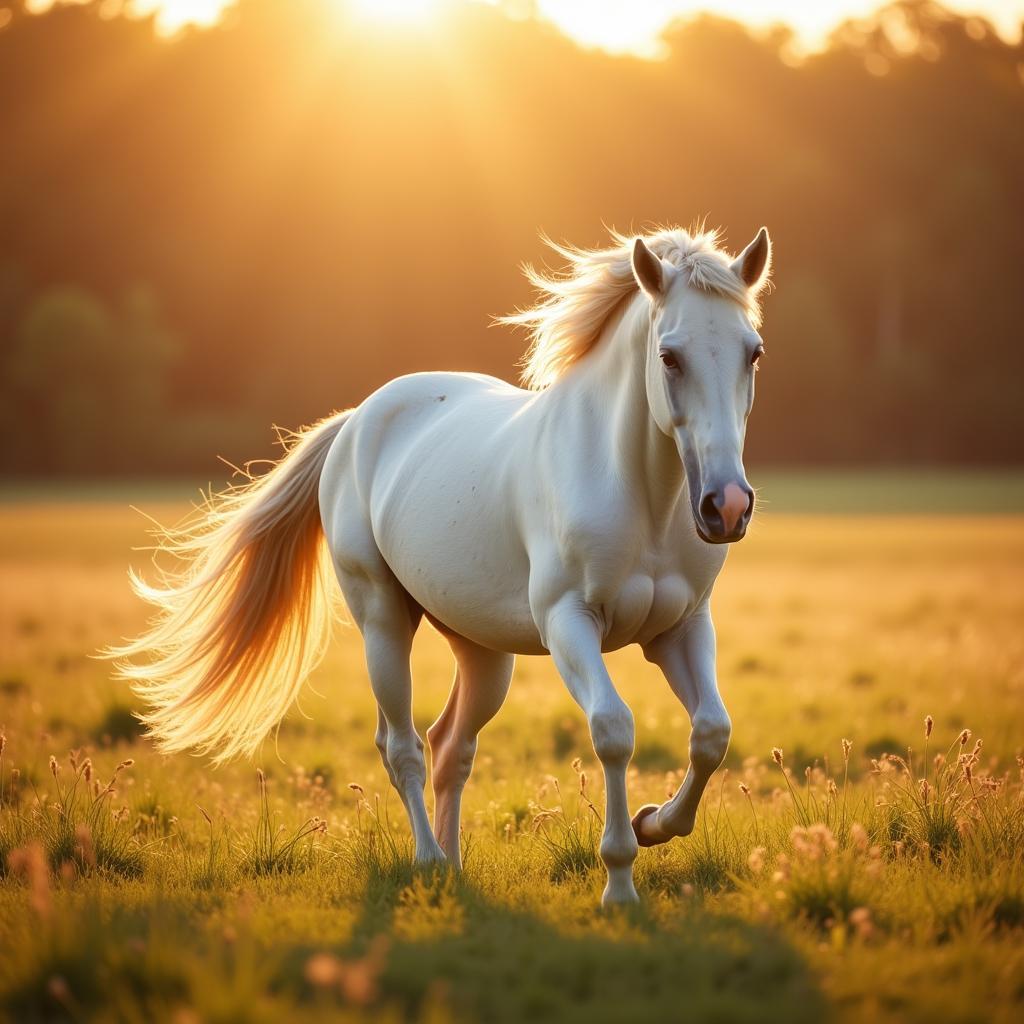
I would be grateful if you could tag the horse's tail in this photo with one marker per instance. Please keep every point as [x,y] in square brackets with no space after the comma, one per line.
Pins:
[244,618]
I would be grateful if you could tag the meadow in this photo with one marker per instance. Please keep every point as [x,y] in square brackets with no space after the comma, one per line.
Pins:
[860,856]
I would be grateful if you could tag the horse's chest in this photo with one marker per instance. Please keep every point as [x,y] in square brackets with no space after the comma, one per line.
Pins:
[645,607]
[642,588]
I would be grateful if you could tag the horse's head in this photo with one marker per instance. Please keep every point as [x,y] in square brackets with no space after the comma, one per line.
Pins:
[702,355]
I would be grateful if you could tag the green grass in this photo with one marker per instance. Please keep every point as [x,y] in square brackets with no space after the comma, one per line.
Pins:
[830,889]
[891,491]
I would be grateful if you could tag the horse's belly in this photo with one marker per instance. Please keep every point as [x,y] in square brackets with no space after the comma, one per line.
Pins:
[453,547]
[471,592]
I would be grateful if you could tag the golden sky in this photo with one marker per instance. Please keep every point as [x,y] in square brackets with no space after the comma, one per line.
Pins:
[619,26]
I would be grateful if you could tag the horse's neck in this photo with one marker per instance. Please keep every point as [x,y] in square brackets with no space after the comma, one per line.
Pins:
[610,386]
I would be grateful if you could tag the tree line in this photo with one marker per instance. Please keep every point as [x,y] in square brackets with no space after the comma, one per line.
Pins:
[261,221]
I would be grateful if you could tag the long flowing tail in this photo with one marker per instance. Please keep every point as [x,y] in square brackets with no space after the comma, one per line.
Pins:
[244,619]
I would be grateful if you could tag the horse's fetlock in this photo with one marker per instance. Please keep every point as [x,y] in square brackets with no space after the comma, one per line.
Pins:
[620,852]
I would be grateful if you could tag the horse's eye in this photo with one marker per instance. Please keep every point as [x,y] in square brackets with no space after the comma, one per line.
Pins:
[670,361]
[758,352]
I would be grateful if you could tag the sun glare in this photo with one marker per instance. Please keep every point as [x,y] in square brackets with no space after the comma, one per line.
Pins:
[172,15]
[617,26]
[395,10]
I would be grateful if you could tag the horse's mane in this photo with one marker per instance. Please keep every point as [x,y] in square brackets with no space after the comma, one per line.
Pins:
[573,306]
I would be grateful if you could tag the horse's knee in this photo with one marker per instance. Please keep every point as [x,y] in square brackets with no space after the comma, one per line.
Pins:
[611,729]
[709,741]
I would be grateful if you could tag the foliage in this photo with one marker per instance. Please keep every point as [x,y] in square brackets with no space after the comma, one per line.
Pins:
[152,317]
[271,849]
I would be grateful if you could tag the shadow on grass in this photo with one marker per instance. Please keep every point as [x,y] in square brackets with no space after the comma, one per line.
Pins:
[452,952]
[428,946]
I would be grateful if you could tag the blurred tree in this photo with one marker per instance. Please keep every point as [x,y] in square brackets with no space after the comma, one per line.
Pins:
[84,386]
[321,204]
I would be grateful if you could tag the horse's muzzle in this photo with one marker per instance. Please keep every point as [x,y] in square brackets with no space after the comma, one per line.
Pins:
[723,514]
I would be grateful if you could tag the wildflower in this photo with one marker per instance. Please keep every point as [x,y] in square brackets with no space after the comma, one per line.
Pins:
[859,837]
[777,756]
[799,841]
[58,989]
[87,769]
[928,723]
[964,737]
[209,820]
[744,789]
[833,791]
[54,767]
[356,788]
[323,970]
[847,747]
[127,763]
[860,919]
[29,861]
[358,978]
[822,837]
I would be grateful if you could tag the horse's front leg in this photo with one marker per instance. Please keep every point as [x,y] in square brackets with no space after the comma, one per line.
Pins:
[573,636]
[688,660]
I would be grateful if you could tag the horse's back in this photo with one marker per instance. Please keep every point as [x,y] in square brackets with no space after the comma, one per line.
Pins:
[425,473]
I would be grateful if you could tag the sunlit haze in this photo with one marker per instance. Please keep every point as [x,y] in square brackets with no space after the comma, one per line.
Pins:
[625,26]
[618,26]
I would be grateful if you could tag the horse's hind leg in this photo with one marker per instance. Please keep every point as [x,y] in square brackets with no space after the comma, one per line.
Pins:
[481,682]
[388,619]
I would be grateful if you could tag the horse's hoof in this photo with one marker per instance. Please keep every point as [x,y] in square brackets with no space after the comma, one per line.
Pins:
[638,831]
[625,897]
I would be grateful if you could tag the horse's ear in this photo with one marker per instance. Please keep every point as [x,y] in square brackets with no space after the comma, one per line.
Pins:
[648,271]
[752,265]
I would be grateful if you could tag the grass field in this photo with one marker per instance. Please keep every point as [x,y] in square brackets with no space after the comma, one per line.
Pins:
[830,888]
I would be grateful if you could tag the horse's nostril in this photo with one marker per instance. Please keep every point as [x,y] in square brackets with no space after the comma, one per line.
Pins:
[709,509]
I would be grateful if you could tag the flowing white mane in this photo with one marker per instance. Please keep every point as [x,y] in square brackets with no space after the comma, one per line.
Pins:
[567,320]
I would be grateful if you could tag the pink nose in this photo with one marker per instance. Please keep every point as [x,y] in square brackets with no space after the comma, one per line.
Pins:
[735,502]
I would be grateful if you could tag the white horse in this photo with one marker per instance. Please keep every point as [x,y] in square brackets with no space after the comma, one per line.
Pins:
[585,513]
